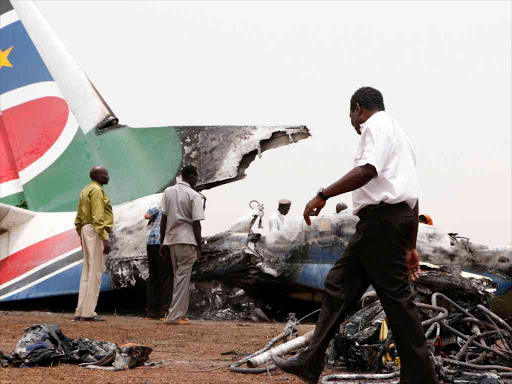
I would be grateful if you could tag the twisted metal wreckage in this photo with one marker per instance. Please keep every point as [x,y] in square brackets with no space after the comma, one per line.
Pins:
[365,344]
[297,259]
[40,254]
[467,340]
[54,126]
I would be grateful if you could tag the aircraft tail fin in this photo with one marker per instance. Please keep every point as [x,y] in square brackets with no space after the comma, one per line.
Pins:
[45,98]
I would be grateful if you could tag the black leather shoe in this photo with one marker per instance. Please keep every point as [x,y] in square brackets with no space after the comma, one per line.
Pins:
[296,368]
[95,318]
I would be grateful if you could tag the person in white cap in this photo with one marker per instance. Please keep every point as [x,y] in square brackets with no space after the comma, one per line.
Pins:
[276,222]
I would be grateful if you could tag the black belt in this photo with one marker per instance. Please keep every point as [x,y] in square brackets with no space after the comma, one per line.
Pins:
[363,212]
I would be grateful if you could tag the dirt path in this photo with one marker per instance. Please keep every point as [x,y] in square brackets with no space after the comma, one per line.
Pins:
[183,349]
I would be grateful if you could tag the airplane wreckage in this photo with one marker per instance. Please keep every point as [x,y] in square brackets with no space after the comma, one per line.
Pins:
[54,126]
[294,262]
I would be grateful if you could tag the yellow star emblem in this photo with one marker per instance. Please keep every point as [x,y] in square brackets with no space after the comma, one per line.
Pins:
[4,60]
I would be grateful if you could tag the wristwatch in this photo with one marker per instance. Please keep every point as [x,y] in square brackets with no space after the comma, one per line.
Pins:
[322,195]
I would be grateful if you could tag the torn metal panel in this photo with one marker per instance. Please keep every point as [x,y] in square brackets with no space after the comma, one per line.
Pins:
[223,153]
[295,260]
[437,246]
[77,131]
[298,258]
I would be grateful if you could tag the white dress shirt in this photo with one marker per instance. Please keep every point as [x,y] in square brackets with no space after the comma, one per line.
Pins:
[182,206]
[385,145]
[276,222]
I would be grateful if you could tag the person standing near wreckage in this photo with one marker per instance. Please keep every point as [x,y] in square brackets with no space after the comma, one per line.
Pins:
[382,251]
[276,222]
[180,229]
[94,221]
[159,286]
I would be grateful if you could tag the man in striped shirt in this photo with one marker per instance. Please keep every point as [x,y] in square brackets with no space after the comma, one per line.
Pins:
[159,286]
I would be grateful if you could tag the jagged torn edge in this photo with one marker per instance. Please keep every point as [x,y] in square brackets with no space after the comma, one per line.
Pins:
[263,139]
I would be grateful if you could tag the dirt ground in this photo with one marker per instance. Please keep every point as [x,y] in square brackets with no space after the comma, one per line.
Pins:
[184,350]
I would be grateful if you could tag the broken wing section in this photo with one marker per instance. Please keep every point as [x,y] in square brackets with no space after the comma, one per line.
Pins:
[154,156]
[223,153]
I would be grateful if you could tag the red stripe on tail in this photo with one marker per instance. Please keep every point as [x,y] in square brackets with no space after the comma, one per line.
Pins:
[39,253]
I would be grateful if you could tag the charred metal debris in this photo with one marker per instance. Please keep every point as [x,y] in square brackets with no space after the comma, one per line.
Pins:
[46,345]
[467,341]
[292,262]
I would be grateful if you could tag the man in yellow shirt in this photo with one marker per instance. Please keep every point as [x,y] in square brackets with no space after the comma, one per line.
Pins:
[94,221]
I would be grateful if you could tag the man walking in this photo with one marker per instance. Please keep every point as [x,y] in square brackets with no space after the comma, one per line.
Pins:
[182,212]
[94,221]
[276,222]
[382,251]
[160,281]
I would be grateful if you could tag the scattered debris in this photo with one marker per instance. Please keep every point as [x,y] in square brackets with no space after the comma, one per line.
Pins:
[46,345]
[125,357]
[295,261]
[258,316]
[216,301]
[468,342]
[461,334]
[289,331]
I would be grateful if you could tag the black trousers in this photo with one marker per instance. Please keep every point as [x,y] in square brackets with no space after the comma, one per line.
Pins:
[159,286]
[375,255]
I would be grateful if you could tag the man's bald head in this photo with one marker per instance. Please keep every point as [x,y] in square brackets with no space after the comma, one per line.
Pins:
[99,174]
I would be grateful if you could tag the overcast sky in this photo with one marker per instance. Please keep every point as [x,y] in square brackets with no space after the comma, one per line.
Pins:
[444,69]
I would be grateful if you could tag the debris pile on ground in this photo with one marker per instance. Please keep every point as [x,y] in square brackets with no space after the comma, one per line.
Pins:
[217,301]
[46,345]
[467,341]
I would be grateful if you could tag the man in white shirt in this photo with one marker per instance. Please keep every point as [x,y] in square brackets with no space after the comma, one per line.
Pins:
[276,222]
[180,228]
[382,251]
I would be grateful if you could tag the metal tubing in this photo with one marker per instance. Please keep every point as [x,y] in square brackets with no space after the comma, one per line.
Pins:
[465,348]
[360,376]
[441,316]
[235,367]
[472,375]
[438,294]
[360,382]
[476,321]
[480,358]
[431,329]
[290,346]
[495,317]
[460,334]
[474,366]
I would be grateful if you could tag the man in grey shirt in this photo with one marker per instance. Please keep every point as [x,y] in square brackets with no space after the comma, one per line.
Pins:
[180,229]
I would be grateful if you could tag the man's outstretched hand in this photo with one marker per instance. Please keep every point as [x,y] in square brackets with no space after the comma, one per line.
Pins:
[412,260]
[316,204]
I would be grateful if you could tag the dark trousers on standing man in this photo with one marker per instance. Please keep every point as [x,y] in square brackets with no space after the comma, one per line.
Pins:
[375,255]
[159,287]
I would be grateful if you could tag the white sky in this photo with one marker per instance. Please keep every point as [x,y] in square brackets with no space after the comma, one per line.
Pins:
[444,69]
